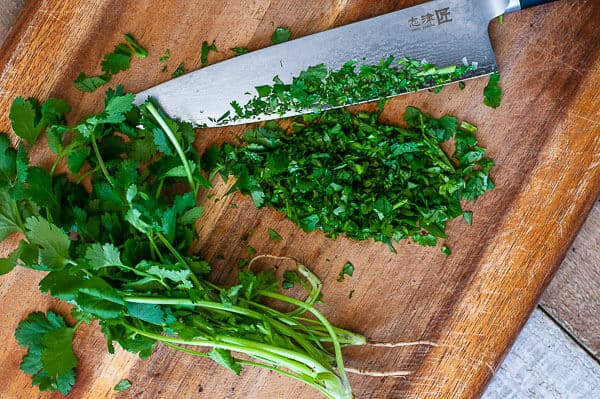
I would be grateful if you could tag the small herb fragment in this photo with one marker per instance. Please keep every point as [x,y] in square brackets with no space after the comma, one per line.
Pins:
[347,270]
[281,35]
[90,83]
[123,385]
[492,93]
[179,71]
[274,235]
[138,50]
[165,57]
[206,48]
[113,63]
[446,251]
[319,88]
[239,50]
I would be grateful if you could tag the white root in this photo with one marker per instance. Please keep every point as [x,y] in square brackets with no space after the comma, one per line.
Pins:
[399,344]
[370,373]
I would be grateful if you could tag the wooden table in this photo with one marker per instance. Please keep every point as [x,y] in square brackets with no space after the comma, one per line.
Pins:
[580,112]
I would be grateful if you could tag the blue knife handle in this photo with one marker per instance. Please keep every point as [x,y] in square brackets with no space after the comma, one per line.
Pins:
[531,3]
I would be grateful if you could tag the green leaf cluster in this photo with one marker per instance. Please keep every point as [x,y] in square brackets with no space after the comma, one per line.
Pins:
[350,174]
[113,63]
[114,236]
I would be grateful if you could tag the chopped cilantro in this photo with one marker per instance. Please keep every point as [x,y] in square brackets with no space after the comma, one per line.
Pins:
[239,50]
[123,385]
[446,251]
[319,88]
[90,83]
[352,175]
[492,92]
[206,48]
[281,35]
[179,71]
[274,235]
[115,62]
[165,57]
[347,270]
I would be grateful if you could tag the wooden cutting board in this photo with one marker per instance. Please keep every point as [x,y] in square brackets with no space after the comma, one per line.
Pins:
[545,139]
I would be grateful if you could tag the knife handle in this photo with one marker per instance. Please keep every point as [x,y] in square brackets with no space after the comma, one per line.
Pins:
[531,3]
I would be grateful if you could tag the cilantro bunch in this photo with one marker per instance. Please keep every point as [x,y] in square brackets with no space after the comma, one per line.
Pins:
[114,236]
[350,174]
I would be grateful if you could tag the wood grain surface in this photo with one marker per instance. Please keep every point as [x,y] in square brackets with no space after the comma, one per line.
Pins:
[573,297]
[544,138]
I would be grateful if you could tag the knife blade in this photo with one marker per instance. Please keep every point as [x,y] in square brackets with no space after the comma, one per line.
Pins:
[442,32]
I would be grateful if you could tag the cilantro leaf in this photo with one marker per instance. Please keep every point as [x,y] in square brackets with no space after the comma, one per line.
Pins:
[53,243]
[347,270]
[26,119]
[206,48]
[274,235]
[165,57]
[281,35]
[115,62]
[50,358]
[224,358]
[90,83]
[493,92]
[100,256]
[239,50]
[179,71]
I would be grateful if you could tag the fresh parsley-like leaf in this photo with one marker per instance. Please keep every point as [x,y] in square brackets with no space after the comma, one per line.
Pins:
[274,235]
[91,83]
[50,358]
[224,358]
[53,243]
[26,119]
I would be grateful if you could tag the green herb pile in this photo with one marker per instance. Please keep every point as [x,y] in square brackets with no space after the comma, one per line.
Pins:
[319,87]
[114,239]
[349,174]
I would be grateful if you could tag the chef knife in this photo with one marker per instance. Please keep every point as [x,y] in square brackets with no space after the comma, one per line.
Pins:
[442,32]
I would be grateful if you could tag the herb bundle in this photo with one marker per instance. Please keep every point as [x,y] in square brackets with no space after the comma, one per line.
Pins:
[349,174]
[118,252]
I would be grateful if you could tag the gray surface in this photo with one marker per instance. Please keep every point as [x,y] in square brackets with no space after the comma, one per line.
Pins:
[9,9]
[545,363]
[443,32]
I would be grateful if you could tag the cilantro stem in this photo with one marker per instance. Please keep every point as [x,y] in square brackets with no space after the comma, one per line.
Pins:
[188,170]
[307,380]
[251,348]
[100,160]
[55,163]
[180,258]
[84,175]
[286,329]
[154,249]
[325,322]
[18,216]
